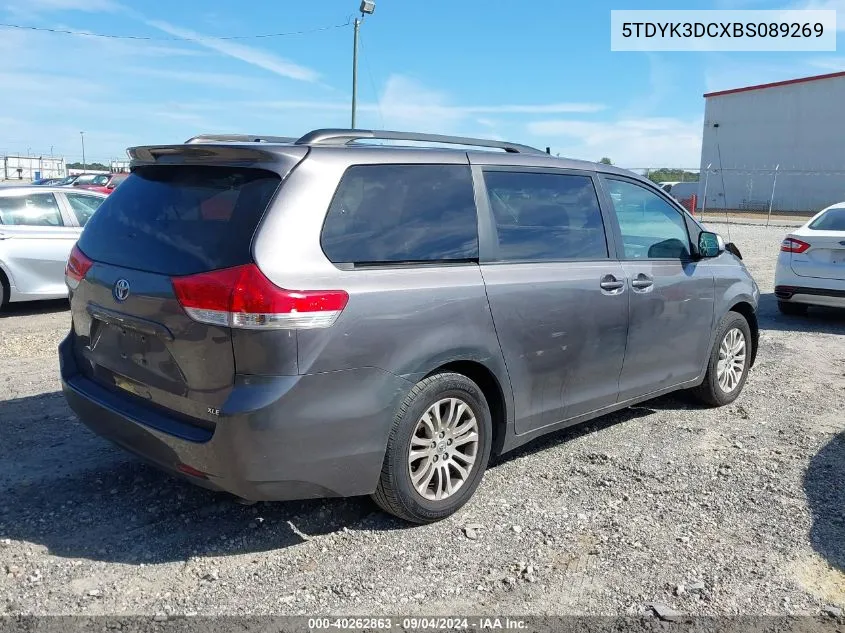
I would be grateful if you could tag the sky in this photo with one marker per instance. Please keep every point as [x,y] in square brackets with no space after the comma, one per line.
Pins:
[536,71]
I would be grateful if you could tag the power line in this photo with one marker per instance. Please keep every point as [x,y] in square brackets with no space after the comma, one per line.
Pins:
[173,39]
[372,82]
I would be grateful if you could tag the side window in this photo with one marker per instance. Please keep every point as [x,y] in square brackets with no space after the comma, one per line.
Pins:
[545,217]
[651,227]
[83,206]
[402,213]
[36,209]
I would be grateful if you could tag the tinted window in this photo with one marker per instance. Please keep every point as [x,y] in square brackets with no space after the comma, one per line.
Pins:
[651,227]
[85,179]
[35,209]
[832,220]
[83,206]
[402,213]
[179,220]
[542,216]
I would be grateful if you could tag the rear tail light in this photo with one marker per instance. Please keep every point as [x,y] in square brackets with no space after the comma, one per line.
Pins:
[242,297]
[76,268]
[792,245]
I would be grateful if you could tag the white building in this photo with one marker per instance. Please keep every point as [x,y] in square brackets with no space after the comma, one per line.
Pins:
[29,168]
[788,135]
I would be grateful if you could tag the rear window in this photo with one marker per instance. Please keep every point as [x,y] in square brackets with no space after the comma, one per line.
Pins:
[384,214]
[180,219]
[831,220]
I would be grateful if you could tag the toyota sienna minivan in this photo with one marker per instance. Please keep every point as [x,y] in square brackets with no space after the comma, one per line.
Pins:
[325,316]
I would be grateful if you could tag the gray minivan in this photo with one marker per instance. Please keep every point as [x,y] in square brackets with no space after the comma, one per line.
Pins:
[281,318]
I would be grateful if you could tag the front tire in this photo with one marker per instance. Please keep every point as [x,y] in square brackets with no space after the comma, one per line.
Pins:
[730,360]
[792,309]
[438,449]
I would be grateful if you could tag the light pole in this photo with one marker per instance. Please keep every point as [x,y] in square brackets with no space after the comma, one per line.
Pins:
[367,7]
[82,136]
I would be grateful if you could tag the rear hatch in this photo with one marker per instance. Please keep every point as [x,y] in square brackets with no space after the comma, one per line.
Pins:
[166,224]
[818,253]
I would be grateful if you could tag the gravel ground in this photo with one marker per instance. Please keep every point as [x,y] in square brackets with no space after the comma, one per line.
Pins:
[739,510]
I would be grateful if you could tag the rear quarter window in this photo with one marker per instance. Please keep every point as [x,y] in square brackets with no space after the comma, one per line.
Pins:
[180,219]
[384,214]
[830,220]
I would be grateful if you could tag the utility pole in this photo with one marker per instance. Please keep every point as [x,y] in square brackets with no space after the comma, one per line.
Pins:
[367,7]
[82,136]
[355,70]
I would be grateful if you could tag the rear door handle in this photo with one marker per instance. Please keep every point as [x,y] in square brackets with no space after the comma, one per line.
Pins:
[642,282]
[611,285]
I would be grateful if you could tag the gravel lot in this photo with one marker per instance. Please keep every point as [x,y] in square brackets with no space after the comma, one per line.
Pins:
[739,510]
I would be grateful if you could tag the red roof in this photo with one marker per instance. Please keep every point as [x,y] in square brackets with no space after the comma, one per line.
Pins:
[775,84]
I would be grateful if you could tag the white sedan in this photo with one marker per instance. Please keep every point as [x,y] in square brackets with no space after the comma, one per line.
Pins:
[811,265]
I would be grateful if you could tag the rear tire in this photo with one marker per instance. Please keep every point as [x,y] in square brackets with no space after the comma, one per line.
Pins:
[438,449]
[792,309]
[729,363]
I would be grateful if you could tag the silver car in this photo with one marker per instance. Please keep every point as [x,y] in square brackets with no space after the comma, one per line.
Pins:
[38,228]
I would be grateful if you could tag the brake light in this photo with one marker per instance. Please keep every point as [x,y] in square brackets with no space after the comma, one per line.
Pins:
[242,297]
[792,245]
[76,268]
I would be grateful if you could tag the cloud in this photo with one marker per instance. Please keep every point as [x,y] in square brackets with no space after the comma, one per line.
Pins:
[90,6]
[253,56]
[831,64]
[642,142]
[220,80]
[32,8]
[406,102]
[831,5]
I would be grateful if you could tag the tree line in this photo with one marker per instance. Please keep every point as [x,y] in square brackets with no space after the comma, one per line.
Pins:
[664,174]
[91,166]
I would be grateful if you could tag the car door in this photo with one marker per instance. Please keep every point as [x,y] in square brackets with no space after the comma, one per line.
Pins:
[671,301]
[35,241]
[557,296]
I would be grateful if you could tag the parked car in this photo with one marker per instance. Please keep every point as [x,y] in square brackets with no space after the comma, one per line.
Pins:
[104,183]
[38,228]
[47,181]
[811,264]
[326,318]
[66,181]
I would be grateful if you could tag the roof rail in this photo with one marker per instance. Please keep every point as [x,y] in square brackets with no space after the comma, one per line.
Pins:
[239,138]
[346,137]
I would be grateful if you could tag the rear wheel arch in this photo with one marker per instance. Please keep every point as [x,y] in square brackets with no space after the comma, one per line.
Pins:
[750,315]
[491,387]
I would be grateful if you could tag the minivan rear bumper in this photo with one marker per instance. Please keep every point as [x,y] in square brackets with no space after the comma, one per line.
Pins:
[281,437]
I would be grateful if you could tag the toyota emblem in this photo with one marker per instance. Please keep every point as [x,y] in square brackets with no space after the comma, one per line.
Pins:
[121,289]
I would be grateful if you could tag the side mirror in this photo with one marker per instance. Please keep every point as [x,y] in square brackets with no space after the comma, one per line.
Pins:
[111,185]
[710,244]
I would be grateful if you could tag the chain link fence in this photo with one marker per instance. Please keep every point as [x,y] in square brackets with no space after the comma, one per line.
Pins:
[777,192]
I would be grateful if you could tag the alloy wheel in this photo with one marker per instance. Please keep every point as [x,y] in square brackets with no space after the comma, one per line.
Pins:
[443,449]
[731,365]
